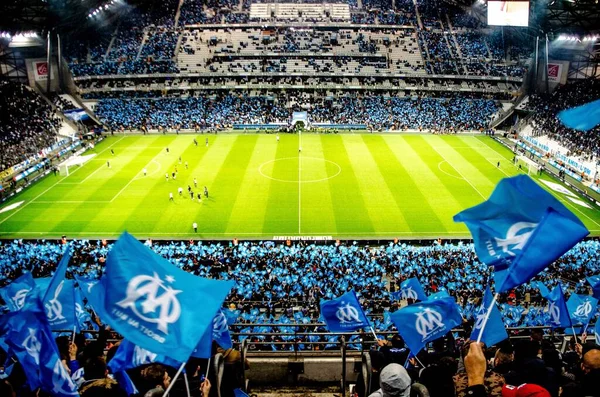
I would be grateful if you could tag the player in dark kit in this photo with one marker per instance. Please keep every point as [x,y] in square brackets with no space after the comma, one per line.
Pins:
[205,192]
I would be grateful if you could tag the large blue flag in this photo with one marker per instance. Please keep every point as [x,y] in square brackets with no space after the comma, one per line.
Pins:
[426,321]
[344,314]
[595,283]
[31,340]
[557,308]
[520,230]
[582,308]
[128,356]
[412,289]
[581,118]
[154,304]
[494,330]
[58,277]
[60,306]
[18,293]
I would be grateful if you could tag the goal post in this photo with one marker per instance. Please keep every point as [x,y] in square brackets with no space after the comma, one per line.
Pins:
[63,169]
[527,165]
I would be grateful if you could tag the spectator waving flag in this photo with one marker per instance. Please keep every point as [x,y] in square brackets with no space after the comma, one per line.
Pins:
[520,230]
[31,340]
[129,356]
[154,304]
[412,289]
[344,314]
[426,321]
[581,118]
[595,283]
[582,308]
[19,293]
[557,308]
[494,331]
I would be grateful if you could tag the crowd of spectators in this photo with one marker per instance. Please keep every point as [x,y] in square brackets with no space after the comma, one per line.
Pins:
[28,124]
[546,107]
[222,111]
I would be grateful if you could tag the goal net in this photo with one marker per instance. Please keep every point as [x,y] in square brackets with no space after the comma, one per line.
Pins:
[75,161]
[527,165]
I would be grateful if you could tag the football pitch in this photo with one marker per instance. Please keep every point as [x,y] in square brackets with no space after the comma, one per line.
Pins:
[346,186]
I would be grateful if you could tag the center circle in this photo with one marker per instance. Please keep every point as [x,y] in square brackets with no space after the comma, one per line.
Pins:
[299,169]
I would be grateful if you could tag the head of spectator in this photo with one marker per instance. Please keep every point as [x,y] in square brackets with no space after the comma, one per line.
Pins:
[438,377]
[394,381]
[156,378]
[97,382]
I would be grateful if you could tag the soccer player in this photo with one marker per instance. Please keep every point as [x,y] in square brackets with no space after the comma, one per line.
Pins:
[189,188]
[206,142]
[195,142]
[498,164]
[192,195]
[199,197]
[173,175]
[167,150]
[171,197]
[205,192]
[112,151]
[179,159]
[186,165]
[195,226]
[108,163]
[144,171]
[167,176]
[180,190]
[195,183]
[277,138]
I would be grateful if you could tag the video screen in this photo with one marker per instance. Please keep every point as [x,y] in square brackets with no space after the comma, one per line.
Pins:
[508,13]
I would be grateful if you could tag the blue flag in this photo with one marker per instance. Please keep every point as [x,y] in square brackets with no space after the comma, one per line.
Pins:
[581,118]
[154,304]
[597,331]
[220,331]
[426,321]
[412,289]
[595,283]
[582,308]
[129,356]
[31,340]
[494,330]
[59,276]
[544,291]
[557,308]
[18,293]
[439,295]
[81,314]
[343,314]
[60,306]
[520,230]
[232,315]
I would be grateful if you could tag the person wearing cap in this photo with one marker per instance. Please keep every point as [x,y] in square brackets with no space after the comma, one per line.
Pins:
[393,382]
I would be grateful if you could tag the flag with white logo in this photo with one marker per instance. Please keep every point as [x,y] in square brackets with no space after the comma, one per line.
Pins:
[32,342]
[423,322]
[582,308]
[557,308]
[19,293]
[520,230]
[595,283]
[439,295]
[60,306]
[129,355]
[412,289]
[81,314]
[494,330]
[220,331]
[344,314]
[154,304]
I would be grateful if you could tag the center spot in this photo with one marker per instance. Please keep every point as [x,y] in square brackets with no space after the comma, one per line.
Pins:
[300,169]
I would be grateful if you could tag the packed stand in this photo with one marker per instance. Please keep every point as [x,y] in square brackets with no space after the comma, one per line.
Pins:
[28,125]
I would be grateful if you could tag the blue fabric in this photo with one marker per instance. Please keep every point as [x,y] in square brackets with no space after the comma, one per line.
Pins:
[582,308]
[494,330]
[239,393]
[412,289]
[81,314]
[155,304]
[343,314]
[581,118]
[557,309]
[220,331]
[520,230]
[125,382]
[595,283]
[19,293]
[544,291]
[31,341]
[426,321]
[439,295]
[60,306]
[128,356]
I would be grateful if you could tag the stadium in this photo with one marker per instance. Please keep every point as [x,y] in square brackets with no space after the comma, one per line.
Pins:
[299,198]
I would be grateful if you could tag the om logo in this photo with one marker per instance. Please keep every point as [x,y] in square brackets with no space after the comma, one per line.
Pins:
[142,356]
[347,314]
[60,379]
[219,325]
[408,293]
[54,306]
[515,241]
[428,322]
[19,298]
[583,310]
[554,313]
[156,298]
[32,345]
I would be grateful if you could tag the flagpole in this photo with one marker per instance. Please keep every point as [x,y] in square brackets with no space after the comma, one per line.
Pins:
[187,385]
[166,393]
[207,368]
[487,316]
[74,332]
[374,334]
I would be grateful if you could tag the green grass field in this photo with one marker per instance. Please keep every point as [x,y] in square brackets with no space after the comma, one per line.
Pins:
[345,186]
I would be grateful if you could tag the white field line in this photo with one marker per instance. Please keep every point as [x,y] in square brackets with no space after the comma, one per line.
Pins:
[135,177]
[56,183]
[459,173]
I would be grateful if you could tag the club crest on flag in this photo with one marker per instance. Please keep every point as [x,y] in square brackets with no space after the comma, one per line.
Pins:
[517,236]
[429,322]
[583,310]
[142,356]
[54,307]
[479,318]
[554,311]
[32,345]
[408,293]
[61,381]
[220,325]
[347,313]
[19,298]
[157,299]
